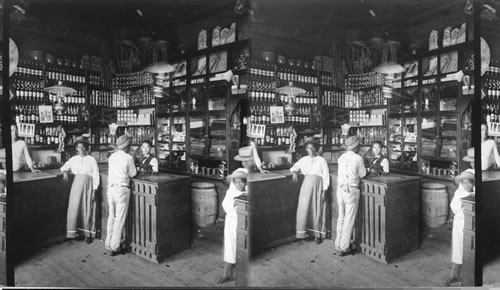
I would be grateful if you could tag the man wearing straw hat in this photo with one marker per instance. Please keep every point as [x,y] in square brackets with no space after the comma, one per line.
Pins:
[351,170]
[121,169]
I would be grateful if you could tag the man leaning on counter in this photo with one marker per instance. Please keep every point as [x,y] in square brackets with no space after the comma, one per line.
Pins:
[20,154]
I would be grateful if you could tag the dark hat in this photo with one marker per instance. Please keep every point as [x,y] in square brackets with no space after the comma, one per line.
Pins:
[352,142]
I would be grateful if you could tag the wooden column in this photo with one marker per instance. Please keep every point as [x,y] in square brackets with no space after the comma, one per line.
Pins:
[469,247]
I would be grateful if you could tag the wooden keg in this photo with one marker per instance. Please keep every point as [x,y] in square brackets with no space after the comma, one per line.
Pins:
[204,203]
[434,204]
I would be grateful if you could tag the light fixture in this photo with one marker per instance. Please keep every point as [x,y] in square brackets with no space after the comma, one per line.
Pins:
[291,91]
[60,91]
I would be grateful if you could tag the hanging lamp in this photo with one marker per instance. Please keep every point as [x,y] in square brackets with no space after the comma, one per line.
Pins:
[291,91]
[60,91]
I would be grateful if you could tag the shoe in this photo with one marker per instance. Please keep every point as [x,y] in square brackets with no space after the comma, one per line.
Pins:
[88,240]
[449,281]
[319,240]
[345,253]
[224,280]
[309,238]
[115,253]
[80,238]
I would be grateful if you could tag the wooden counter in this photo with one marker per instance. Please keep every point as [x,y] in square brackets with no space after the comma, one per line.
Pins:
[395,198]
[39,206]
[469,248]
[490,215]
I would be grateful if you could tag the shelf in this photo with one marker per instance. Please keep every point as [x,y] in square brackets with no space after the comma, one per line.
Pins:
[448,137]
[369,126]
[135,107]
[130,87]
[364,88]
[207,157]
[415,173]
[135,125]
[44,147]
[217,112]
[273,147]
[370,107]
[438,158]
[218,48]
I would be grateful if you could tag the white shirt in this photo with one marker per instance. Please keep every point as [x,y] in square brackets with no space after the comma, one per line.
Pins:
[351,169]
[314,166]
[20,155]
[121,168]
[456,202]
[228,202]
[489,155]
[83,165]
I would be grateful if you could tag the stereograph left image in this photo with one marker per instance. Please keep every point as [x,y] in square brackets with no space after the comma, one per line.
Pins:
[120,154]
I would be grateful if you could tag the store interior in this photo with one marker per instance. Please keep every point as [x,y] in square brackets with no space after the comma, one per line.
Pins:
[197,117]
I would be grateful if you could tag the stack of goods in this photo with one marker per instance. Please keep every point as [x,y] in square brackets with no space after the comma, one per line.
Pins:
[449,149]
[93,63]
[449,127]
[324,63]
[197,133]
[217,148]
[428,146]
[218,128]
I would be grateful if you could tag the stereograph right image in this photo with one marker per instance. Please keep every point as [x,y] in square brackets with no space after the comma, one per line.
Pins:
[490,134]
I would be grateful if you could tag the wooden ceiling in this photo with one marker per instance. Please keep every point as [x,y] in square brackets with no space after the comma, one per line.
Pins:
[315,21]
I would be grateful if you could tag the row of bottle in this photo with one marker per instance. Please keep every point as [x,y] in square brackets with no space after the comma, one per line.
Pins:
[493,70]
[359,81]
[141,134]
[46,136]
[262,86]
[130,118]
[30,114]
[138,97]
[371,135]
[262,115]
[333,99]
[28,72]
[492,113]
[97,80]
[132,80]
[31,91]
[492,87]
[276,136]
[62,75]
[258,73]
[327,80]
[102,137]
[292,75]
[361,99]
[101,98]
[333,136]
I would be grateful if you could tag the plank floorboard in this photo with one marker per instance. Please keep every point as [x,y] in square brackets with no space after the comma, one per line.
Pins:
[76,264]
[305,264]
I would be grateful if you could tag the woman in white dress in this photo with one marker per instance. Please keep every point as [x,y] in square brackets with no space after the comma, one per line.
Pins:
[81,218]
[311,211]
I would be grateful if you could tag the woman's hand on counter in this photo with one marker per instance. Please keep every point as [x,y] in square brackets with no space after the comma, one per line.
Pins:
[263,171]
[65,176]
[34,170]
[294,177]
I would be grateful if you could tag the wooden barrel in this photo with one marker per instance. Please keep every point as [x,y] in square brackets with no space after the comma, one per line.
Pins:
[434,204]
[204,203]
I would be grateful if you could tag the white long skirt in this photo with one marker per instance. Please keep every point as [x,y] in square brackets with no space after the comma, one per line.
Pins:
[457,240]
[230,225]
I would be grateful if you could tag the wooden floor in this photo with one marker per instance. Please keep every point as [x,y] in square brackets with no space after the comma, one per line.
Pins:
[76,264]
[305,264]
[491,273]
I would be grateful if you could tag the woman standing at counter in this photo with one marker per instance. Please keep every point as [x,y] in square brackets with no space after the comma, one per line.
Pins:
[148,163]
[489,151]
[311,210]
[380,163]
[81,218]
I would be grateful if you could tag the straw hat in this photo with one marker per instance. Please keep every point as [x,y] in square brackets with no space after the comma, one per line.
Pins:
[239,174]
[122,142]
[470,155]
[244,154]
[352,142]
[464,175]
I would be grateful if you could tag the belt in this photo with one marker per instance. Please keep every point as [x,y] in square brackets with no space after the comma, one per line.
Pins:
[119,185]
[348,185]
